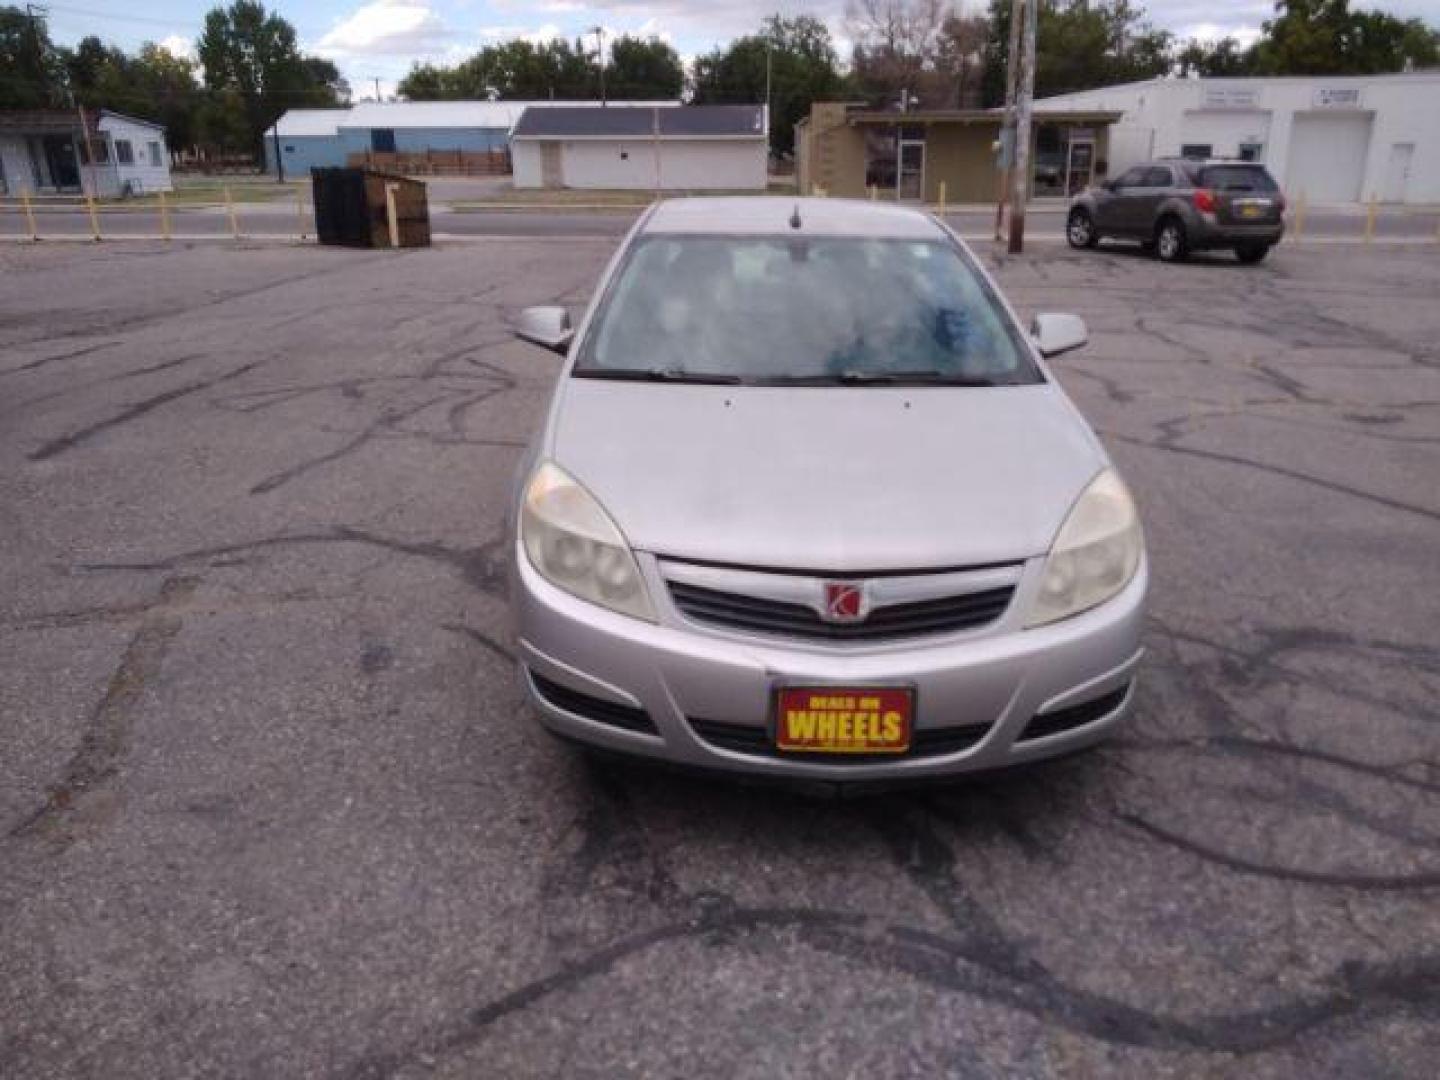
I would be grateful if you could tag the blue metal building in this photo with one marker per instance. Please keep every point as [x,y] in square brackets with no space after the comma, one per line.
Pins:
[309,138]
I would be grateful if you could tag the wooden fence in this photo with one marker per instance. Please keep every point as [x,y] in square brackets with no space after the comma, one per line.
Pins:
[436,162]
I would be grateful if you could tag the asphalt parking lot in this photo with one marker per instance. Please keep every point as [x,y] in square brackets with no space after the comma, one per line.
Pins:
[270,804]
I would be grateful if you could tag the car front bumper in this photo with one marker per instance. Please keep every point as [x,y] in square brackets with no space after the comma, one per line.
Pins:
[678,675]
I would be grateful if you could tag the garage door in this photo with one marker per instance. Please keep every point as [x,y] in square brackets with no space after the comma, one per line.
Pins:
[1327,157]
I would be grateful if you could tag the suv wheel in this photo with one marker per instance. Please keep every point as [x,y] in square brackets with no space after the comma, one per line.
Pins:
[1250,254]
[1170,243]
[1080,230]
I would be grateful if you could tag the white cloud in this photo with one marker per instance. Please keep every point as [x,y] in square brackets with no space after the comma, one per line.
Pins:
[1213,32]
[537,35]
[180,47]
[404,28]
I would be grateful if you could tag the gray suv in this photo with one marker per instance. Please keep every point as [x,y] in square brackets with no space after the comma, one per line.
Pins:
[1180,206]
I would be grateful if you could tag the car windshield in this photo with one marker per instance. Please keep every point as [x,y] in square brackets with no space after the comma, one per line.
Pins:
[816,310]
[1236,178]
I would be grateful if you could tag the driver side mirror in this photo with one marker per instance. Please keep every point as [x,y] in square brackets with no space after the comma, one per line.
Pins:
[1056,332]
[548,327]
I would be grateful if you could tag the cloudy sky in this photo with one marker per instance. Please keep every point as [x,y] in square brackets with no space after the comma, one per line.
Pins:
[378,39]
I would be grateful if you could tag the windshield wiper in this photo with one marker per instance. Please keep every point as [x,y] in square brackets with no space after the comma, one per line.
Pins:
[657,374]
[884,378]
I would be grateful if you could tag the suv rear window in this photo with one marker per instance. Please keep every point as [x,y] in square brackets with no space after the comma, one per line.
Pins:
[1236,178]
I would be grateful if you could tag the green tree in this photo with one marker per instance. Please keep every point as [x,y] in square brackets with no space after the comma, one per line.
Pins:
[1079,45]
[1224,57]
[253,64]
[803,69]
[32,73]
[166,92]
[639,68]
[1324,37]
[643,70]
[425,82]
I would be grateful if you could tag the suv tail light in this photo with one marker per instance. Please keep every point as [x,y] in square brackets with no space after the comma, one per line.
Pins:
[1205,200]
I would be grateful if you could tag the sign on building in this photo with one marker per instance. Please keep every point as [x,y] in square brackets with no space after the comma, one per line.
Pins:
[1337,97]
[1229,97]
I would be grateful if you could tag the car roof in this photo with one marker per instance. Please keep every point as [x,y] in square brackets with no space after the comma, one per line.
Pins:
[762,215]
[1201,163]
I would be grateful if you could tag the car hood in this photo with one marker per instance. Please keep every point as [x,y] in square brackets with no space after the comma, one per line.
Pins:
[828,478]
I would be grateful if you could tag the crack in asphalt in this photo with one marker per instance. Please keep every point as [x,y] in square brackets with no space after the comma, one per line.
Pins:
[65,443]
[480,566]
[1279,470]
[107,734]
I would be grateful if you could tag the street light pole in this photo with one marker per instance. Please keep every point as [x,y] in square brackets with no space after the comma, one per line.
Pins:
[1025,92]
[599,32]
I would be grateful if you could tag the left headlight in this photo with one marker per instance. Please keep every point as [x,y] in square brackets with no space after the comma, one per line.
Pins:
[1095,554]
[574,545]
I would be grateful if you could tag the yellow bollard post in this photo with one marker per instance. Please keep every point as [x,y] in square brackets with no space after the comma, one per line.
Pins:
[1370,220]
[230,209]
[942,198]
[1300,216]
[164,218]
[94,217]
[30,217]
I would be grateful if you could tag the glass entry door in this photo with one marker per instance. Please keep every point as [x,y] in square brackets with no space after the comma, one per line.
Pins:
[910,179]
[1079,165]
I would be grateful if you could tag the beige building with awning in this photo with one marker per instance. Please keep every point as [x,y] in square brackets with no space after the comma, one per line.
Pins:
[848,150]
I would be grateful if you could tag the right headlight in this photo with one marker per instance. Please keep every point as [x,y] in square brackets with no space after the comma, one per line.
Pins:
[575,546]
[1095,554]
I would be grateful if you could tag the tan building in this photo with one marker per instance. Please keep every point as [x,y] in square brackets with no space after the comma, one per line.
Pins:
[846,150]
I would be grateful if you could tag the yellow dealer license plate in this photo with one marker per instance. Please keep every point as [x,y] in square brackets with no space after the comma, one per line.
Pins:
[843,720]
[1250,210]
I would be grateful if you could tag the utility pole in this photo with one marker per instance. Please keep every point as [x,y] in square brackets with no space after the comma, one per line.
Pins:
[377,88]
[1007,126]
[35,15]
[279,161]
[599,32]
[1024,94]
[769,48]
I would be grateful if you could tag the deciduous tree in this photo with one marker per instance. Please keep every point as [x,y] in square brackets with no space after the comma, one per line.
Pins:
[32,75]
[250,57]
[803,69]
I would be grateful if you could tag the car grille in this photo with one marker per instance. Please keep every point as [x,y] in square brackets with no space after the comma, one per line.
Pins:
[756,741]
[1074,716]
[591,708]
[942,615]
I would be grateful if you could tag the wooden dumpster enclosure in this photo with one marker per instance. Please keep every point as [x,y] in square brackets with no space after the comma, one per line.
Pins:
[353,208]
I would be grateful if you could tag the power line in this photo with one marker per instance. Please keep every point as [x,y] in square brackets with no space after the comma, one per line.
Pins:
[91,13]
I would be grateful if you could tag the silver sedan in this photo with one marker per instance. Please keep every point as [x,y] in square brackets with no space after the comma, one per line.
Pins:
[807,503]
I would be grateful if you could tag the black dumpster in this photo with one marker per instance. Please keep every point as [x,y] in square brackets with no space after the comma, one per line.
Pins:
[354,208]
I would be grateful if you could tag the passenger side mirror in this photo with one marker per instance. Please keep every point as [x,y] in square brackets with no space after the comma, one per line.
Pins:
[546,326]
[1056,332]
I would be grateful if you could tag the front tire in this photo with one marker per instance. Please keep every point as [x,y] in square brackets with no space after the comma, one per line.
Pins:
[1250,254]
[1080,230]
[1171,244]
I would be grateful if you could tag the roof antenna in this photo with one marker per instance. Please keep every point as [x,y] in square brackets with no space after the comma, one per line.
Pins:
[795,217]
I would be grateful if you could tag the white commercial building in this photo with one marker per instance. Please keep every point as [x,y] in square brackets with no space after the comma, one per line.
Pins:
[1331,139]
[48,152]
[706,147]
